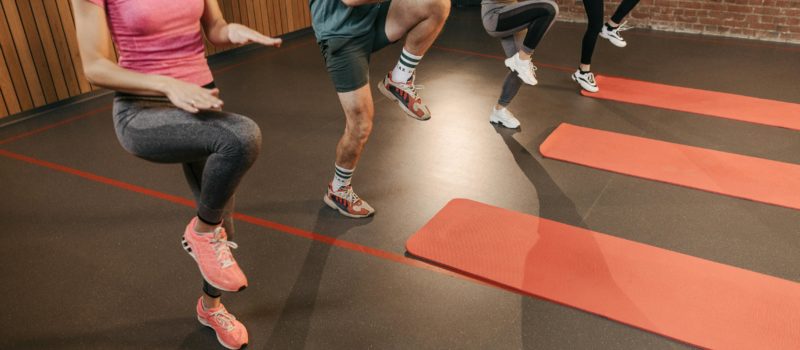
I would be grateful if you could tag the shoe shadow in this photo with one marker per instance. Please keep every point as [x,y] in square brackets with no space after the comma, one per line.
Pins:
[292,327]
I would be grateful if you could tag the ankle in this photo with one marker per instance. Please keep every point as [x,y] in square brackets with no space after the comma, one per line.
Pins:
[209,302]
[524,55]
[201,227]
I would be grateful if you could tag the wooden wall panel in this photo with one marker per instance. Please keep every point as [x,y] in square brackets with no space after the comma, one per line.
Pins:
[39,58]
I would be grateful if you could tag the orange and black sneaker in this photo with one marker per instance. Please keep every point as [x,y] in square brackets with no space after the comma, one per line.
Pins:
[405,94]
[347,202]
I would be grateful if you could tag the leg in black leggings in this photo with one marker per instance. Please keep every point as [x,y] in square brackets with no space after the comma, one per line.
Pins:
[594,14]
[520,26]
[623,9]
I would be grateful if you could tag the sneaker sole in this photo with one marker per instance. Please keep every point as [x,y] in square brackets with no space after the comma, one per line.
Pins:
[583,87]
[333,205]
[188,250]
[605,36]
[405,109]
[493,120]
[204,323]
[511,67]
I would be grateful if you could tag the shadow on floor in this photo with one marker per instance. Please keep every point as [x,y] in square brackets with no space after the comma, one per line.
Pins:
[292,327]
[547,332]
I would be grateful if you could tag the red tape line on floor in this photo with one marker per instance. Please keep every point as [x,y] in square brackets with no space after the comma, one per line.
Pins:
[709,103]
[697,301]
[730,174]
[241,217]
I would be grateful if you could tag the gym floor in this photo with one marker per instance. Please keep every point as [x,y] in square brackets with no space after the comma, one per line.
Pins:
[91,245]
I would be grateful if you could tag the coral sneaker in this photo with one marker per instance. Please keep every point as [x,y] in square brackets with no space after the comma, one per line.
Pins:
[212,252]
[230,332]
[405,94]
[347,202]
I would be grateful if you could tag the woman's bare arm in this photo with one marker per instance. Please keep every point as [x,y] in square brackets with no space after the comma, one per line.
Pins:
[100,70]
[220,32]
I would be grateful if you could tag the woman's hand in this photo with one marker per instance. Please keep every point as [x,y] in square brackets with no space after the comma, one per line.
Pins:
[190,97]
[240,35]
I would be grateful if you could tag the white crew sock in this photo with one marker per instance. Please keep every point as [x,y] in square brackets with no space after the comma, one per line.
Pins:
[405,66]
[341,177]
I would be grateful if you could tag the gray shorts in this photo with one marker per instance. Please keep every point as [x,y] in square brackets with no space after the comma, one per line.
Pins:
[347,59]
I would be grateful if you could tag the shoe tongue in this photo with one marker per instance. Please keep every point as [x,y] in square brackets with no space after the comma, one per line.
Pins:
[220,233]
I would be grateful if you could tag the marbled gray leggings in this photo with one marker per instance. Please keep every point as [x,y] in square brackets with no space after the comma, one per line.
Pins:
[215,148]
[520,26]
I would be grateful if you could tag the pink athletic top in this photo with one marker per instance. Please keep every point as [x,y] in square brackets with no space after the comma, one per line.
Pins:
[159,37]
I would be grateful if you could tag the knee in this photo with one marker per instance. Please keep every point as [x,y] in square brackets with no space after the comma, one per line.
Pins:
[594,28]
[595,25]
[360,130]
[245,139]
[438,8]
[552,10]
[359,124]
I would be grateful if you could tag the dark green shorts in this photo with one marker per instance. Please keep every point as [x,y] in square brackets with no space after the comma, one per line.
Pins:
[347,59]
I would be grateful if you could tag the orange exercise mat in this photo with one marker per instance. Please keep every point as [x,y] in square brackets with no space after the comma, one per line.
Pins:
[693,300]
[730,174]
[711,103]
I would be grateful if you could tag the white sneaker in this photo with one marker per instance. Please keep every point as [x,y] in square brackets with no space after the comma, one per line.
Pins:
[586,80]
[613,34]
[503,117]
[524,68]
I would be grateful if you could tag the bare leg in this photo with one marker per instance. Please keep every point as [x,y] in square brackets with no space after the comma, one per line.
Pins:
[420,20]
[358,111]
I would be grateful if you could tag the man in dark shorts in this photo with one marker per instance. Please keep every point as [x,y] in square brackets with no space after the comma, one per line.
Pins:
[348,31]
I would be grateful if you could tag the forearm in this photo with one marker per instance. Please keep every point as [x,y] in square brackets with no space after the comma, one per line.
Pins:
[109,75]
[217,32]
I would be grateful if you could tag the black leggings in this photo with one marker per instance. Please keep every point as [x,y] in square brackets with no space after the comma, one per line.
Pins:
[594,13]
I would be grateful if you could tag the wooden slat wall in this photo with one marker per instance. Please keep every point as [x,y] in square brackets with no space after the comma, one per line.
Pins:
[39,59]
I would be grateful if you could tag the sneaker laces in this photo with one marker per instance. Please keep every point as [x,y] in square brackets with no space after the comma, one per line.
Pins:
[533,68]
[590,77]
[349,194]
[623,27]
[222,247]
[224,319]
[411,86]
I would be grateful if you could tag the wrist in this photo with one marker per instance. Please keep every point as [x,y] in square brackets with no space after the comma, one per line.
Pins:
[162,84]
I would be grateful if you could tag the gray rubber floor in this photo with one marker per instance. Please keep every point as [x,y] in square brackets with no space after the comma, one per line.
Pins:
[87,265]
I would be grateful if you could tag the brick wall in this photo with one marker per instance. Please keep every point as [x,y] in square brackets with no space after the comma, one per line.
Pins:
[772,20]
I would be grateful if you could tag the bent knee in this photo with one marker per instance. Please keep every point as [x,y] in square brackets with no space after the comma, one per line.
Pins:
[244,138]
[438,8]
[552,9]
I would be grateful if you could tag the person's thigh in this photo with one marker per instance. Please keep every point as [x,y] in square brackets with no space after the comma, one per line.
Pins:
[347,61]
[403,15]
[166,134]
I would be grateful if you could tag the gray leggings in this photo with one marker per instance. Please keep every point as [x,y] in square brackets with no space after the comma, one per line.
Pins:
[520,26]
[215,148]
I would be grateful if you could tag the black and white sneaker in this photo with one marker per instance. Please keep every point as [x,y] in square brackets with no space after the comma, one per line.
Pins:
[586,80]
[613,34]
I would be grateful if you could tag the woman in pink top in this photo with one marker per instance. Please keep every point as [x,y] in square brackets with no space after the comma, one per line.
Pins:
[167,110]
